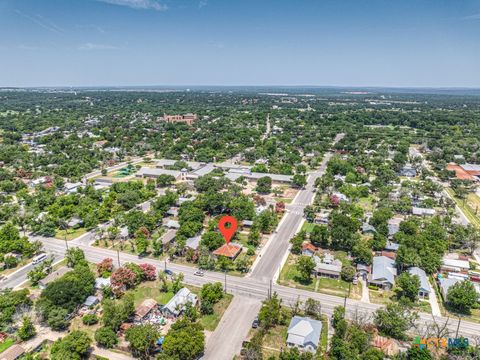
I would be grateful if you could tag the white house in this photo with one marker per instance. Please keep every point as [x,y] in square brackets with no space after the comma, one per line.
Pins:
[304,333]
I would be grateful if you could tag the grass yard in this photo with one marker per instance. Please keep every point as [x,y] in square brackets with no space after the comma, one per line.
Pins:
[472,200]
[323,336]
[308,227]
[386,297]
[77,324]
[150,289]
[289,277]
[6,344]
[71,233]
[367,203]
[285,200]
[210,322]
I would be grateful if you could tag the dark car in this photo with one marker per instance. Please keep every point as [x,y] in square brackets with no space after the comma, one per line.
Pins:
[168,272]
[255,323]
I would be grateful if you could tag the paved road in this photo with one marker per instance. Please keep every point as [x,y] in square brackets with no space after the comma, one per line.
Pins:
[279,242]
[226,340]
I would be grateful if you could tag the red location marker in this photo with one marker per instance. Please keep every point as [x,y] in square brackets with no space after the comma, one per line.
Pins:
[227,232]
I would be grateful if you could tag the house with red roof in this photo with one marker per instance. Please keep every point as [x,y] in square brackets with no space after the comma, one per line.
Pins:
[230,251]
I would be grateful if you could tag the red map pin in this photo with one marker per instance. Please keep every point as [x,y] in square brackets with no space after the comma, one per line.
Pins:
[227,232]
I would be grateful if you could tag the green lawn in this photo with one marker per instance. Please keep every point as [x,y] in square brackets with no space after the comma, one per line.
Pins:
[210,322]
[71,233]
[289,277]
[150,289]
[6,344]
[285,200]
[367,203]
[323,336]
[465,207]
[308,227]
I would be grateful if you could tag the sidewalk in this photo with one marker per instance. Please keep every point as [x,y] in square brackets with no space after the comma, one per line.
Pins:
[434,302]
[365,293]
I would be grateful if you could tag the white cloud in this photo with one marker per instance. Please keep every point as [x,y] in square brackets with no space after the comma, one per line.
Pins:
[202,3]
[92,46]
[472,17]
[138,4]
[41,21]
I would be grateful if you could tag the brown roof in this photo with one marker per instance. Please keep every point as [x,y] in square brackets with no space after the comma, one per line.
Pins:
[169,236]
[309,246]
[228,250]
[144,308]
[387,345]
[459,172]
[12,353]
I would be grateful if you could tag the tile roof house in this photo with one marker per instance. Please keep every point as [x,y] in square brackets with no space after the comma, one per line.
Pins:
[425,288]
[304,333]
[408,171]
[308,249]
[368,229]
[383,272]
[193,242]
[177,304]
[230,251]
[172,224]
[168,237]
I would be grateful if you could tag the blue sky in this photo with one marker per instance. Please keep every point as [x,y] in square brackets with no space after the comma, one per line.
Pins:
[431,43]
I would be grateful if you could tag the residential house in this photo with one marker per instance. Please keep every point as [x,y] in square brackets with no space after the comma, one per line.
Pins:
[101,283]
[53,276]
[408,171]
[394,225]
[177,304]
[368,229]
[230,250]
[308,249]
[328,267]
[425,288]
[454,265]
[422,211]
[383,272]
[392,246]
[14,352]
[168,237]
[172,224]
[363,271]
[144,309]
[193,242]
[446,284]
[304,334]
[91,301]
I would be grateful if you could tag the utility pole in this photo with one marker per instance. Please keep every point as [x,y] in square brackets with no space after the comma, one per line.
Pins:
[270,293]
[458,326]
[118,257]
[165,261]
[225,281]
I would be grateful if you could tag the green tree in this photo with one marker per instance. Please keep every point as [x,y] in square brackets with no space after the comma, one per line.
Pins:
[264,185]
[408,286]
[305,266]
[394,320]
[75,256]
[462,297]
[74,346]
[184,341]
[106,337]
[27,330]
[270,312]
[347,273]
[142,339]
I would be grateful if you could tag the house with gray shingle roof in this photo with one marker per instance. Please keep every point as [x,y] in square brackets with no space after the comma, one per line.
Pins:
[304,333]
[383,272]
[425,288]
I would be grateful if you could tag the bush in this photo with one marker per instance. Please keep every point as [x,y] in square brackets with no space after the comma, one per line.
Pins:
[250,252]
[106,337]
[90,319]
[373,287]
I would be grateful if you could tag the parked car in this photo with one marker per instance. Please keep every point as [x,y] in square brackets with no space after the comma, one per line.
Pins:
[168,272]
[255,323]
[198,273]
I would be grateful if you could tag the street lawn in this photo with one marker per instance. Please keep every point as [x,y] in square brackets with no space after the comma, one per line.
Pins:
[323,336]
[6,344]
[473,317]
[275,338]
[289,276]
[285,200]
[210,322]
[70,233]
[307,227]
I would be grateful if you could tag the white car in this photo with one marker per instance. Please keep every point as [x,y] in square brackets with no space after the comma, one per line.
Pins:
[198,273]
